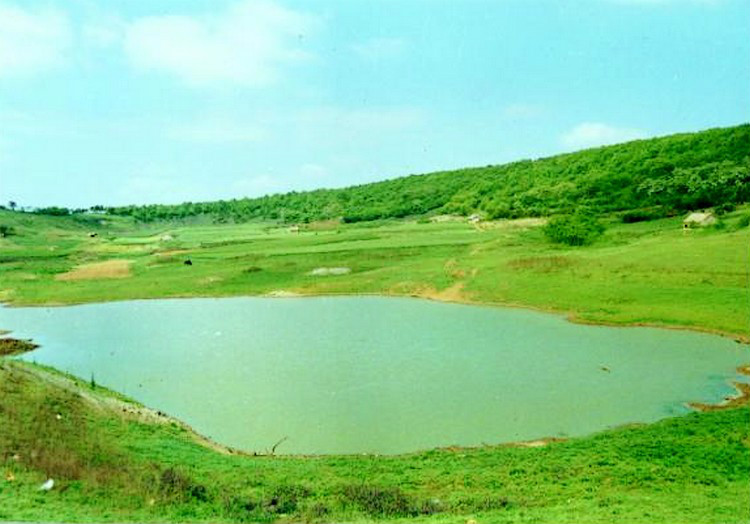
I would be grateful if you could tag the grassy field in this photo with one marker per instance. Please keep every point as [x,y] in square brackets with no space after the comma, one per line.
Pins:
[644,273]
[116,461]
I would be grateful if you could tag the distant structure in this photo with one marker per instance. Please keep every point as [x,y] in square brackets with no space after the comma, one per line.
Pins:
[699,219]
[294,229]
[474,218]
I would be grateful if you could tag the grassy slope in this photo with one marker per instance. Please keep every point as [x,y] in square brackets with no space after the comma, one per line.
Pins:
[110,465]
[649,272]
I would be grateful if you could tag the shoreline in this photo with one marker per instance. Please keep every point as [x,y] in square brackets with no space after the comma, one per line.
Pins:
[570,316]
[105,398]
[740,398]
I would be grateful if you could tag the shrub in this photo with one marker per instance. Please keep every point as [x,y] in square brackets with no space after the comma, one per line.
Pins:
[381,501]
[174,484]
[744,221]
[6,231]
[574,230]
[723,209]
[53,211]
[285,498]
[642,215]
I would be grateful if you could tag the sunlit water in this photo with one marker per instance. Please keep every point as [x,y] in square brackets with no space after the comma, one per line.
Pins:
[377,375]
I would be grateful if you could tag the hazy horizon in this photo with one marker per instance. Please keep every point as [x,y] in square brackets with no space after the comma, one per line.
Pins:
[164,102]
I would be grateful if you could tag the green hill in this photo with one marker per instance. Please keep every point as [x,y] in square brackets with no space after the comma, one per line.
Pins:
[658,177]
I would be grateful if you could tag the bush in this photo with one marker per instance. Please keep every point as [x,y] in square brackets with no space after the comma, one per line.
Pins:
[6,231]
[54,211]
[744,221]
[574,230]
[174,484]
[285,498]
[642,215]
[381,501]
[723,209]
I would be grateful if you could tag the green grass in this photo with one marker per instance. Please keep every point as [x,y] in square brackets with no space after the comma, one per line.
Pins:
[109,466]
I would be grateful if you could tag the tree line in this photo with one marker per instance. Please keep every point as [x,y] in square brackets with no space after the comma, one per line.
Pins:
[648,178]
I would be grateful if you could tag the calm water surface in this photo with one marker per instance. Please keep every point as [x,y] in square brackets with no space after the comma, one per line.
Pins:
[377,375]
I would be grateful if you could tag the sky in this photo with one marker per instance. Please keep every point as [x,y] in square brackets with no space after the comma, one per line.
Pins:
[146,101]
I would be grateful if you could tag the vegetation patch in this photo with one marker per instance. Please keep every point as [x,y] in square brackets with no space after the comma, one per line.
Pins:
[544,264]
[381,501]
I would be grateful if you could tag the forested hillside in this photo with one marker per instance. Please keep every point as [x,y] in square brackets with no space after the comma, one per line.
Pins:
[659,176]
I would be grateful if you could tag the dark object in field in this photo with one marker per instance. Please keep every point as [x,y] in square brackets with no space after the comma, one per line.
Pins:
[605,369]
[93,235]
[188,262]
[273,449]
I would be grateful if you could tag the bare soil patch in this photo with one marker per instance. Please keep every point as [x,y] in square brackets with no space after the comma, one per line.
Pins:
[454,293]
[109,269]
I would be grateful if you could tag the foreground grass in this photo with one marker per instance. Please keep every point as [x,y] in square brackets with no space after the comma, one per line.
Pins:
[644,273]
[111,462]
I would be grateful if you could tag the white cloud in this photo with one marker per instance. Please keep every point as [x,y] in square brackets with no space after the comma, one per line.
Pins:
[32,41]
[379,48]
[245,45]
[593,134]
[215,131]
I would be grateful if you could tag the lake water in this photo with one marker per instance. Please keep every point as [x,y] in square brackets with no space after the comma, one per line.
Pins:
[377,375]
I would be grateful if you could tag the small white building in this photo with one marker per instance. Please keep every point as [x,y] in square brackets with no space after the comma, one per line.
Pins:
[699,219]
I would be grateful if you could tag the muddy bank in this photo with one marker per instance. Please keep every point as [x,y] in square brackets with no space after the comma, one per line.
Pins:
[13,346]
[742,398]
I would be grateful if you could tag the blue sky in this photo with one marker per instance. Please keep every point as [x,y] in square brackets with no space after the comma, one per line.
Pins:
[137,101]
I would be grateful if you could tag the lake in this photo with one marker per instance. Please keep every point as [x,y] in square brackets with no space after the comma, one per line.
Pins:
[376,374]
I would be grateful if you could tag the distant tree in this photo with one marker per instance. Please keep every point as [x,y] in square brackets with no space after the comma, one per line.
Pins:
[53,211]
[574,230]
[12,205]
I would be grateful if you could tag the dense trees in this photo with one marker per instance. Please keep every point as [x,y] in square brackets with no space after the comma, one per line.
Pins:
[664,175]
